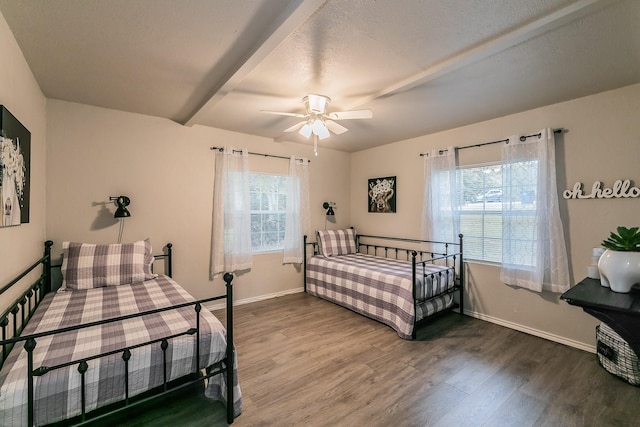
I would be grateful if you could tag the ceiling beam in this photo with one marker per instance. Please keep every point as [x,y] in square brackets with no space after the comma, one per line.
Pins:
[490,47]
[287,22]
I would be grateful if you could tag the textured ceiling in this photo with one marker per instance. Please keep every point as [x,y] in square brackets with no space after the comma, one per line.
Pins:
[422,66]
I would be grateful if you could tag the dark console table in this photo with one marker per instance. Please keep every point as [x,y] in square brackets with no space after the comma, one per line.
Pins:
[620,311]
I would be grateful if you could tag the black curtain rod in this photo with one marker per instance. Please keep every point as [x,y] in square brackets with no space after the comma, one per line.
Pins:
[258,154]
[522,138]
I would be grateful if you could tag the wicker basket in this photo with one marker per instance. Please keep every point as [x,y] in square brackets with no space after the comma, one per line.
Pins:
[615,355]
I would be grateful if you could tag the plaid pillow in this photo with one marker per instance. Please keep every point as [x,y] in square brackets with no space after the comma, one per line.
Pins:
[87,266]
[337,242]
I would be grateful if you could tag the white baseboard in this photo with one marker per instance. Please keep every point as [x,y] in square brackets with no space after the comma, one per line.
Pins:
[222,305]
[532,331]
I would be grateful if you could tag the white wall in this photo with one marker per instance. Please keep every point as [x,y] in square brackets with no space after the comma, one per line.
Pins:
[21,245]
[601,143]
[167,171]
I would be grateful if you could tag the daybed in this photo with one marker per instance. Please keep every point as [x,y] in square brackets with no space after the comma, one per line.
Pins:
[114,335]
[400,287]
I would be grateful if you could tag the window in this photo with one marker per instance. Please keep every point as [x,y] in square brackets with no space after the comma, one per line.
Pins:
[481,205]
[268,195]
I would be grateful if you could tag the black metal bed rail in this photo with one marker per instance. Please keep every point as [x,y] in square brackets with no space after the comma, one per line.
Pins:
[42,370]
[314,251]
[408,240]
[408,253]
[231,348]
[314,245]
[111,320]
[151,395]
[447,277]
[83,367]
[26,303]
[224,366]
[457,279]
[24,273]
[451,257]
[31,343]
[18,314]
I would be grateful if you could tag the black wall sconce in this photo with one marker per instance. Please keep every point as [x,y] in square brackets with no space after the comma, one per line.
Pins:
[329,207]
[121,203]
[121,212]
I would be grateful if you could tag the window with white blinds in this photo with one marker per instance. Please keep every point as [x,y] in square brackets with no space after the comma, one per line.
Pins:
[480,211]
[481,202]
[268,198]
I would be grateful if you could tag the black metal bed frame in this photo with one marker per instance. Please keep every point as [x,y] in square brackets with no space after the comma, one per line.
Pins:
[19,313]
[418,257]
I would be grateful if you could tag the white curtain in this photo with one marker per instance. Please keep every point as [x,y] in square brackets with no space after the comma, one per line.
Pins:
[440,205]
[297,222]
[534,254]
[231,231]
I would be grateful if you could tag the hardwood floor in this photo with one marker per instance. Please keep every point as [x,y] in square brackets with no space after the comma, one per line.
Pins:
[306,362]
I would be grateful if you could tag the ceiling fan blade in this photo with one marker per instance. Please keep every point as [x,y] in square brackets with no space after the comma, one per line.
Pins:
[350,115]
[295,127]
[282,113]
[335,127]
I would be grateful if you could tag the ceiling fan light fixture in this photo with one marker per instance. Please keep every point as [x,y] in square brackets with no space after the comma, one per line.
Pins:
[317,121]
[306,130]
[320,129]
[317,126]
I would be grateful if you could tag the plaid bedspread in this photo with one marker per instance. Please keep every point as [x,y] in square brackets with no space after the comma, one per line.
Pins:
[380,288]
[57,393]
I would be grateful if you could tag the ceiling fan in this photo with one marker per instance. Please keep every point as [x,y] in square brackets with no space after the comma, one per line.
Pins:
[317,121]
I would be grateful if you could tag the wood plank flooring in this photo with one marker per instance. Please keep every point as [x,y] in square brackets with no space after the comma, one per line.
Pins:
[307,362]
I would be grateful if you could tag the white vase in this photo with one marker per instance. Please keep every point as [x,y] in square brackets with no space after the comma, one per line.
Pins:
[619,270]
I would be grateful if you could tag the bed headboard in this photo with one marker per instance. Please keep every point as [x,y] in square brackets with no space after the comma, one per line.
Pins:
[388,246]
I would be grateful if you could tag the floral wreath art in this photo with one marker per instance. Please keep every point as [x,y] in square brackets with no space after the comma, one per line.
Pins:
[12,164]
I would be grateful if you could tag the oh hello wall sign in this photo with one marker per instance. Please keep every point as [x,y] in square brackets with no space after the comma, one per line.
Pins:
[620,190]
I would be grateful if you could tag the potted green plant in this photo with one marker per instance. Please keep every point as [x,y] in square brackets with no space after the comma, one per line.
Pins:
[619,265]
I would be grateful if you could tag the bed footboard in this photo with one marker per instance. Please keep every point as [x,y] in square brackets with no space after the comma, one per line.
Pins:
[452,257]
[423,255]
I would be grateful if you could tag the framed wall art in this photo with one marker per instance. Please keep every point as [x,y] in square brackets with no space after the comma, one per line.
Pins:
[15,158]
[382,194]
